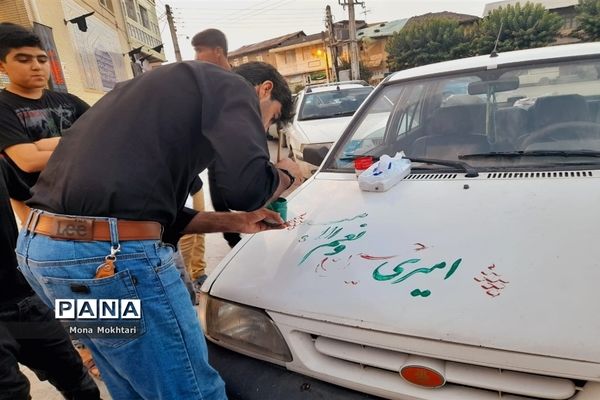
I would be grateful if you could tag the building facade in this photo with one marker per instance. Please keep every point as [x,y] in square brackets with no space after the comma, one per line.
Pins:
[87,41]
[143,34]
[372,42]
[304,60]
[261,51]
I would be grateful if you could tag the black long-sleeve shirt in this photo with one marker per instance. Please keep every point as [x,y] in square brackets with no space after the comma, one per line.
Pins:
[13,286]
[134,154]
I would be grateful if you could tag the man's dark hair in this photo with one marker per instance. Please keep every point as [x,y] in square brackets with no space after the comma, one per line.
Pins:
[210,38]
[13,36]
[257,72]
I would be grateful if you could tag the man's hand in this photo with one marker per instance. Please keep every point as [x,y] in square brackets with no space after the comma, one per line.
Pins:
[293,169]
[242,222]
[258,221]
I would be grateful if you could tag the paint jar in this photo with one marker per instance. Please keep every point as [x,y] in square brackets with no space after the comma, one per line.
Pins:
[361,164]
[279,206]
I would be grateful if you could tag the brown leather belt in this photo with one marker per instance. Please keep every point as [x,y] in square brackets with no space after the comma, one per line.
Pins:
[91,229]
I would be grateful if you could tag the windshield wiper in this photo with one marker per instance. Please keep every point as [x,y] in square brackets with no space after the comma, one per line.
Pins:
[344,114]
[352,157]
[533,153]
[336,115]
[470,172]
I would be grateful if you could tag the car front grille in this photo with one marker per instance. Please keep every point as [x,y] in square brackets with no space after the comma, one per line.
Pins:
[370,361]
[488,381]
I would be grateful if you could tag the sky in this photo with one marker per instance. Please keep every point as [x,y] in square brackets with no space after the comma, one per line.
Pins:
[249,21]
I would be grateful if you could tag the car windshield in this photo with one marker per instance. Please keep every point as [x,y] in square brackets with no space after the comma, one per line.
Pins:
[538,115]
[332,103]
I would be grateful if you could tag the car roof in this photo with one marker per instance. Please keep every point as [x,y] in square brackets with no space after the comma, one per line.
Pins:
[334,86]
[488,62]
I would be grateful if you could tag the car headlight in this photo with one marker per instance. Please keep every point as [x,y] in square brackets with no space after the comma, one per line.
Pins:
[248,330]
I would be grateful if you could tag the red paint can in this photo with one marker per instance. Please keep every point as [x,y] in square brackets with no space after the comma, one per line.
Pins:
[362,163]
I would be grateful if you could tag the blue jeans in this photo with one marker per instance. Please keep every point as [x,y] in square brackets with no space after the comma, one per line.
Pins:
[168,359]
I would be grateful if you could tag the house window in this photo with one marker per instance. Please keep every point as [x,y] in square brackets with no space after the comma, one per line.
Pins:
[306,51]
[290,57]
[244,59]
[107,4]
[130,6]
[259,58]
[236,62]
[145,19]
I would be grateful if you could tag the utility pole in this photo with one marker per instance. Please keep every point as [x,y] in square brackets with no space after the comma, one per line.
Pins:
[173,32]
[354,56]
[332,43]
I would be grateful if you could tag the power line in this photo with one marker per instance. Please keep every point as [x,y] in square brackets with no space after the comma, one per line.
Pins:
[263,16]
[254,21]
[220,10]
[247,9]
[254,12]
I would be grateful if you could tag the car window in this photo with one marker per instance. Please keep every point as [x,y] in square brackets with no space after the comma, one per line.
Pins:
[519,109]
[370,129]
[332,103]
[410,114]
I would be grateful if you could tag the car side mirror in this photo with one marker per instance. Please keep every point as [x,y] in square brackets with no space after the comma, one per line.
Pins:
[314,155]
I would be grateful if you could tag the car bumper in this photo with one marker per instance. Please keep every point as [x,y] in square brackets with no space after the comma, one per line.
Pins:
[247,378]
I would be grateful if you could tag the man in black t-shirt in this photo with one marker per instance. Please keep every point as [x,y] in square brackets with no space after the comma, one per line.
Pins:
[32,118]
[121,176]
[29,333]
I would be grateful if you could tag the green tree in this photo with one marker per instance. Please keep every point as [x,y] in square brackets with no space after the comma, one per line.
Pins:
[523,27]
[298,87]
[588,16]
[431,40]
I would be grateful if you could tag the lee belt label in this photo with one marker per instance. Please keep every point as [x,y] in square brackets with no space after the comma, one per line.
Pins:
[74,229]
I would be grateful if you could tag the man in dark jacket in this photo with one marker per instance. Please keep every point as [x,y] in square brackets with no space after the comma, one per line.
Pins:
[119,178]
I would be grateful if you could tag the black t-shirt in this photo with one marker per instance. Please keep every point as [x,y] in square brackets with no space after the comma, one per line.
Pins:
[24,120]
[135,153]
[12,284]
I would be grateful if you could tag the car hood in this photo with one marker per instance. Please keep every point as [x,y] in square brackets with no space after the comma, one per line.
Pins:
[504,264]
[325,130]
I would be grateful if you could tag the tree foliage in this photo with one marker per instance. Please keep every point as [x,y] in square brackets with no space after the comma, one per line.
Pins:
[365,73]
[588,16]
[523,27]
[426,42]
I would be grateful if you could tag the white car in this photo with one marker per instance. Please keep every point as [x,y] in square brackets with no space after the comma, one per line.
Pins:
[474,278]
[322,112]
